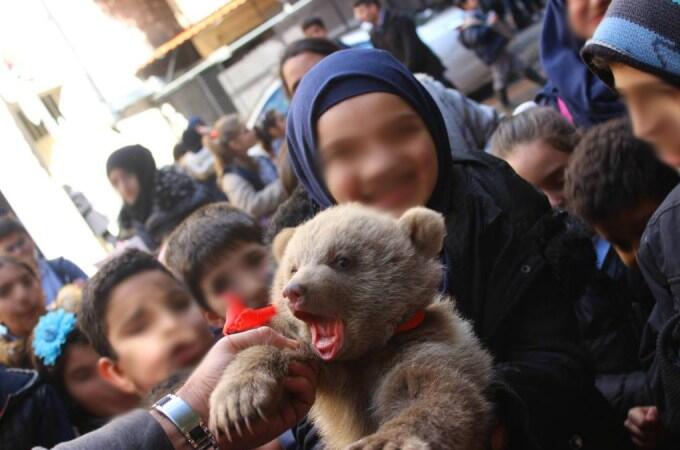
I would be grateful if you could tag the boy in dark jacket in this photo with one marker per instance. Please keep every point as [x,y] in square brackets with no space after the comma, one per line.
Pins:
[397,34]
[487,36]
[636,51]
[615,182]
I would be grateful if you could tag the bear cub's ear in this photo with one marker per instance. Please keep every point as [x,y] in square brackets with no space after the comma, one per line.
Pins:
[426,229]
[281,242]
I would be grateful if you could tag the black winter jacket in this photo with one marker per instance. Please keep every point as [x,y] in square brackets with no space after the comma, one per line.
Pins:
[175,196]
[611,317]
[32,414]
[516,271]
[398,35]
[659,260]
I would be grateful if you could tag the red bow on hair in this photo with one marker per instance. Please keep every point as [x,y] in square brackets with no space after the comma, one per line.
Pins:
[214,134]
[240,318]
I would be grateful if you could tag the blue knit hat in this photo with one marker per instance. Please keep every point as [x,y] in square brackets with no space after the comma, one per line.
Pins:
[641,34]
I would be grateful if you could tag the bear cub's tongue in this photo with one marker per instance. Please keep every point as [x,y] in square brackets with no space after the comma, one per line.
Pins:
[327,336]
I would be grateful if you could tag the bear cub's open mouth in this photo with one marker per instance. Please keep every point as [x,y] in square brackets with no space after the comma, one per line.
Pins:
[328,334]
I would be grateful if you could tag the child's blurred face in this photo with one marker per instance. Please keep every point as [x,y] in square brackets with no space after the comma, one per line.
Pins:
[246,271]
[654,107]
[88,389]
[242,140]
[376,150]
[585,15]
[126,184]
[367,13]
[20,246]
[542,166]
[21,300]
[296,67]
[624,229]
[316,31]
[155,329]
[470,4]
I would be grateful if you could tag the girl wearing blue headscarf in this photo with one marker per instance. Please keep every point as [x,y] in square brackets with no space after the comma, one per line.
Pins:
[362,129]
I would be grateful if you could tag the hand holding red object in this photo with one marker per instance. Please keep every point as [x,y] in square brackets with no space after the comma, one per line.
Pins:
[240,318]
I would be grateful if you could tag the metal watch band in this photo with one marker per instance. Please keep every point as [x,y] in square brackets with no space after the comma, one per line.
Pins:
[187,422]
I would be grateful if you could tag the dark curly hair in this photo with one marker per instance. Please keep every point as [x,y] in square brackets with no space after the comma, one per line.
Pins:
[204,238]
[611,170]
[97,293]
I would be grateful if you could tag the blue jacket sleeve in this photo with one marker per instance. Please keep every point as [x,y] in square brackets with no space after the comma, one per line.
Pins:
[67,271]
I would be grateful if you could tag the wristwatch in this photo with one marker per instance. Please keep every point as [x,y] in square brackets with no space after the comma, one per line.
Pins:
[187,422]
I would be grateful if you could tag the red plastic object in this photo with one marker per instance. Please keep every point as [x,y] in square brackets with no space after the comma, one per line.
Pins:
[240,318]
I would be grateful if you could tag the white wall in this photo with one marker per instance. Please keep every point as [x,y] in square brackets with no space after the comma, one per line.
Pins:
[42,205]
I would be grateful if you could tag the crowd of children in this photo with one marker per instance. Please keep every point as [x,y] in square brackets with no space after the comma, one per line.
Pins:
[562,245]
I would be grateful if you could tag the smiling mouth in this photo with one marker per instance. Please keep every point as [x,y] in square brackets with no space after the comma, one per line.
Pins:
[396,195]
[328,335]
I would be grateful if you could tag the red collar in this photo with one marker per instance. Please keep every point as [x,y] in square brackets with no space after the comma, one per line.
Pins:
[412,323]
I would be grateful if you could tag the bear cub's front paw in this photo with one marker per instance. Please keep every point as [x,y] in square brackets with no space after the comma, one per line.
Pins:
[241,397]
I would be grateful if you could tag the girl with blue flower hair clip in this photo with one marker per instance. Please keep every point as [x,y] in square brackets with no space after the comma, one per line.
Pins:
[64,357]
[21,304]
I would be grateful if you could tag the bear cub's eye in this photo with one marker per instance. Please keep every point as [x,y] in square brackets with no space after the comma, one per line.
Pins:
[342,262]
[293,270]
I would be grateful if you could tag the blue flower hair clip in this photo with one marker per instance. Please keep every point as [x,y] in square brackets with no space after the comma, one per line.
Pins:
[51,333]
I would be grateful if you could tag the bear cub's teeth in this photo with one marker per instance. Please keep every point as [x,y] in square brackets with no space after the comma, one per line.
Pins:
[327,336]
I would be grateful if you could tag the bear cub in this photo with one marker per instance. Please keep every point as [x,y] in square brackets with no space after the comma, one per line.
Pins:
[399,368]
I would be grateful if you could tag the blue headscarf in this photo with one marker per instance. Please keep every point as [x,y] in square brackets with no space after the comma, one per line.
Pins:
[347,74]
[589,100]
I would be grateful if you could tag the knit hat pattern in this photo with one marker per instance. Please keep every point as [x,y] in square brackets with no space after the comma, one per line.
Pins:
[642,34]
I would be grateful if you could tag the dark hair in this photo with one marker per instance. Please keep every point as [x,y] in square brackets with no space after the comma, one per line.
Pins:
[9,225]
[262,130]
[205,237]
[366,2]
[270,118]
[535,124]
[179,150]
[319,46]
[611,170]
[97,293]
[313,21]
[266,139]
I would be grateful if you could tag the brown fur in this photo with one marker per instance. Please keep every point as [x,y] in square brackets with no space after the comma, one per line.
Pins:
[419,389]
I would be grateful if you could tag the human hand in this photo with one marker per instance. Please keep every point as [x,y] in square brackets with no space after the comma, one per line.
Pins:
[644,425]
[300,384]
